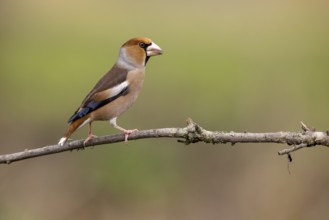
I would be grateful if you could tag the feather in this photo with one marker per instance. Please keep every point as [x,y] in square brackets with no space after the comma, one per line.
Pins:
[95,99]
[93,105]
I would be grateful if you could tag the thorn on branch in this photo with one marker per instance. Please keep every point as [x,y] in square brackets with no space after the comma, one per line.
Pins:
[189,121]
[306,128]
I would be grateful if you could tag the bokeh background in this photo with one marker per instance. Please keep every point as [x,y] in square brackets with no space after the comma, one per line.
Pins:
[230,65]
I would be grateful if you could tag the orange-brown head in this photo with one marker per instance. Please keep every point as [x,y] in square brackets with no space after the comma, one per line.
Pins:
[136,52]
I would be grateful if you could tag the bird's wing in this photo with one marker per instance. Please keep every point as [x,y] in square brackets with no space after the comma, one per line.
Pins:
[110,87]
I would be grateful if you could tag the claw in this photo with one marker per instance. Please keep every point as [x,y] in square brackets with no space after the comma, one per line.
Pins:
[90,137]
[126,132]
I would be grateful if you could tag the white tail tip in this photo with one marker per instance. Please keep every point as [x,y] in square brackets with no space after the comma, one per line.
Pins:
[62,141]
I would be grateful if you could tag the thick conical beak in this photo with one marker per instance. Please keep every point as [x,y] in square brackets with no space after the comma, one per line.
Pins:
[153,50]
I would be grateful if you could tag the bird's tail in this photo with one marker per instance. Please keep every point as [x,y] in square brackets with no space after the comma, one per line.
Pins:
[72,127]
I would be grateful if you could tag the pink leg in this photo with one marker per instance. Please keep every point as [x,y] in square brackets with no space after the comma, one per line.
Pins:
[90,135]
[127,133]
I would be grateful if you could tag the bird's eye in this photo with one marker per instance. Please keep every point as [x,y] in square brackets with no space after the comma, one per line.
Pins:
[142,44]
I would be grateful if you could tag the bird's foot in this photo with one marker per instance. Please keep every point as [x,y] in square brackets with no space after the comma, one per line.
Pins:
[127,133]
[90,137]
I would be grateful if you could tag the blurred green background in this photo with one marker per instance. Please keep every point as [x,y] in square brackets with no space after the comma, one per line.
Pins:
[230,65]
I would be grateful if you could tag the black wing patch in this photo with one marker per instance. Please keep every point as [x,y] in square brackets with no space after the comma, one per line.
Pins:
[93,105]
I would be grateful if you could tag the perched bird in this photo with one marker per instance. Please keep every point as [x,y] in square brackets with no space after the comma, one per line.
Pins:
[117,90]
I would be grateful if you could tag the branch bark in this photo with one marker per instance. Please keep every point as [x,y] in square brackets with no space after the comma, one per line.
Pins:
[192,133]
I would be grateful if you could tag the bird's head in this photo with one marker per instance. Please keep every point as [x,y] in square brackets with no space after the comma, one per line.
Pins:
[136,52]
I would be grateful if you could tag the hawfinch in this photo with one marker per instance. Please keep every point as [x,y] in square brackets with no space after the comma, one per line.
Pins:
[117,90]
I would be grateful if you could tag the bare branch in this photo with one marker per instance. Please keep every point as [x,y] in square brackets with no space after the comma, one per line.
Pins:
[192,133]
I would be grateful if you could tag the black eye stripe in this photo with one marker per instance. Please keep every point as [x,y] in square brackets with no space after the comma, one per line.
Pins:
[143,45]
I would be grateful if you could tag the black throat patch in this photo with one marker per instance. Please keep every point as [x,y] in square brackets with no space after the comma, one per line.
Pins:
[147,59]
